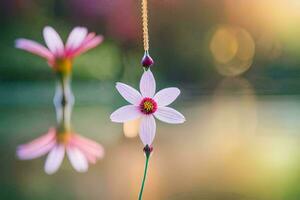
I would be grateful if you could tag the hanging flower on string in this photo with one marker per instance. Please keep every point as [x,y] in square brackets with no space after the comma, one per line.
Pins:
[146,104]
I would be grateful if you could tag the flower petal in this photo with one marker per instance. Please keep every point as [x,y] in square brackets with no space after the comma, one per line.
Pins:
[125,113]
[129,93]
[24,154]
[147,129]
[38,146]
[166,96]
[53,41]
[90,42]
[34,47]
[76,38]
[169,115]
[147,84]
[54,159]
[91,149]
[77,159]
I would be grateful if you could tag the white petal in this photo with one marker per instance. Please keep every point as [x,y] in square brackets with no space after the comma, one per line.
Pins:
[147,129]
[126,113]
[77,159]
[169,115]
[76,38]
[53,41]
[147,84]
[166,96]
[129,93]
[54,159]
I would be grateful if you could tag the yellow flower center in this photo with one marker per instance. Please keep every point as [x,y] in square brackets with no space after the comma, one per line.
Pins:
[63,65]
[64,137]
[148,106]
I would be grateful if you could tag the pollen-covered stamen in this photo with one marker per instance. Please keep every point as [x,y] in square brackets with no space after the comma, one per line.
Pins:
[148,106]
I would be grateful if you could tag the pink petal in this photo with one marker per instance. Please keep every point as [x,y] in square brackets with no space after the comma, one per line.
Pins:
[169,115]
[129,93]
[53,41]
[166,96]
[89,43]
[77,159]
[54,159]
[38,143]
[147,129]
[34,47]
[126,113]
[76,38]
[147,84]
[88,142]
[23,154]
[89,148]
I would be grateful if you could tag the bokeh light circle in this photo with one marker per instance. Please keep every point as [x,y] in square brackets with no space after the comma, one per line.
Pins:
[233,49]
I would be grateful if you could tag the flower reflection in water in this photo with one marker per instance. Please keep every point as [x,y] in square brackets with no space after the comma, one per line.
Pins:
[62,139]
[80,150]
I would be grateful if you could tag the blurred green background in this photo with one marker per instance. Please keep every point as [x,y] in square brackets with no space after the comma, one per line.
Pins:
[236,62]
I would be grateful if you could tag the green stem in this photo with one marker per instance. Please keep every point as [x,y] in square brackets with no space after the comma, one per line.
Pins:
[145,175]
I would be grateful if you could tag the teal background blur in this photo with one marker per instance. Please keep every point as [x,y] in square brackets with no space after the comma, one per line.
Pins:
[236,62]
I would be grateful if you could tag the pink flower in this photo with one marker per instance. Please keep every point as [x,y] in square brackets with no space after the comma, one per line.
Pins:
[147,105]
[78,42]
[80,151]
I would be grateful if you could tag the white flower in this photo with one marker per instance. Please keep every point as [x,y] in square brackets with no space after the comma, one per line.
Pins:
[147,105]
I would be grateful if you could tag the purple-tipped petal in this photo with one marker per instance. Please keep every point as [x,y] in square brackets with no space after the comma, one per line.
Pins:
[54,159]
[53,41]
[125,113]
[129,93]
[77,159]
[147,84]
[147,129]
[34,47]
[169,115]
[76,38]
[166,96]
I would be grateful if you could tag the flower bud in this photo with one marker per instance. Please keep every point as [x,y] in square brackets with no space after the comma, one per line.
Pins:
[148,149]
[147,61]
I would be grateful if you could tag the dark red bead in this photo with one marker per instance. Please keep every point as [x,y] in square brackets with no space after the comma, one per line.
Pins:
[147,61]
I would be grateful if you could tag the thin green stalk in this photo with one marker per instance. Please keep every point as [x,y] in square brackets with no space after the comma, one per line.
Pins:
[145,175]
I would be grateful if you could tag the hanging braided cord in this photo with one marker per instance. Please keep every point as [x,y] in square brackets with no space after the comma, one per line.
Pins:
[145,24]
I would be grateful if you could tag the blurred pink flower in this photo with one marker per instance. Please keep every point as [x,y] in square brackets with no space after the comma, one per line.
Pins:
[78,42]
[80,151]
[146,105]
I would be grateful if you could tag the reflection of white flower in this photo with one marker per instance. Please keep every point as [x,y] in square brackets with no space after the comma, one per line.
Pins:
[147,105]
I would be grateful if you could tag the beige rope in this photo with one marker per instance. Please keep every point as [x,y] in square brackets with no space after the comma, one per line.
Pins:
[145,24]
